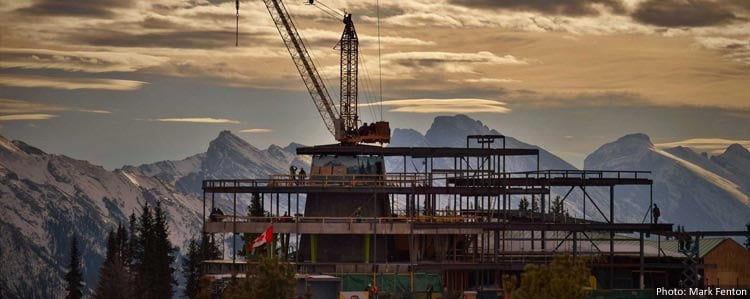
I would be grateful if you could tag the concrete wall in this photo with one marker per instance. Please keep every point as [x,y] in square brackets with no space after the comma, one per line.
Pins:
[344,248]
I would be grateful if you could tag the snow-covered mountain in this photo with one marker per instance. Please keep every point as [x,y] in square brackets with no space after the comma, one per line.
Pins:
[228,157]
[451,131]
[46,198]
[691,189]
[736,160]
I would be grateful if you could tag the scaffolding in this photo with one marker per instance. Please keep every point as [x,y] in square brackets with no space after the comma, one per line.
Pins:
[453,211]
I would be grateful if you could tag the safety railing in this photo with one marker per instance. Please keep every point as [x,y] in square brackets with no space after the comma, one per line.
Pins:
[364,219]
[582,174]
[440,177]
[348,180]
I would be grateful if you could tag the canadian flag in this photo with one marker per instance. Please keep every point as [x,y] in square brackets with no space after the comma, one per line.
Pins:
[263,239]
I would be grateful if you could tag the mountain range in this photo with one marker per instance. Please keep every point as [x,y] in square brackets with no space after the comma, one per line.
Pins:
[46,197]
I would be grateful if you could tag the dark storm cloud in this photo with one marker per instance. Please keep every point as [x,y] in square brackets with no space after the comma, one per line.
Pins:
[684,13]
[80,8]
[556,7]
[173,39]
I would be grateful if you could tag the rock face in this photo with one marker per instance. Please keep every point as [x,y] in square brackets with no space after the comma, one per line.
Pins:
[736,160]
[690,189]
[46,197]
[227,157]
[451,131]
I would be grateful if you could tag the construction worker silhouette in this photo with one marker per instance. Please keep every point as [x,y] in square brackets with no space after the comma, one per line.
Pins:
[655,212]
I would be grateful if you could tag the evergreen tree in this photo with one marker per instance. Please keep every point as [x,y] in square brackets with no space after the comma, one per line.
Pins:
[141,263]
[198,251]
[255,209]
[209,248]
[163,255]
[153,255]
[132,243]
[123,245]
[523,205]
[74,277]
[191,269]
[114,278]
[272,278]
[557,207]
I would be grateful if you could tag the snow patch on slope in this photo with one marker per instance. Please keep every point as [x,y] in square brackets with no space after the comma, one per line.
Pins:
[131,178]
[711,177]
[8,145]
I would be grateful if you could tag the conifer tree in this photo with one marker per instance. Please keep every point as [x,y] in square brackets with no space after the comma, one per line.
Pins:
[191,268]
[557,207]
[114,279]
[255,209]
[74,277]
[523,205]
[153,255]
[197,251]
[271,278]
[141,247]
[163,255]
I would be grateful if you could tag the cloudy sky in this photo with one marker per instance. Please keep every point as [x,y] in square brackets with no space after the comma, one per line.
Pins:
[126,82]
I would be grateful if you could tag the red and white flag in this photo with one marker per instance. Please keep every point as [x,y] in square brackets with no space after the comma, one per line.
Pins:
[263,239]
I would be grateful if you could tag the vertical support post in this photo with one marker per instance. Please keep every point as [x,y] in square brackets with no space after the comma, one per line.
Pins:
[203,219]
[314,248]
[543,237]
[366,248]
[234,230]
[642,283]
[375,227]
[611,237]
[583,187]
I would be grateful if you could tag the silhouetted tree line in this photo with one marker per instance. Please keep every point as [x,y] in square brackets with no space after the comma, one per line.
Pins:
[139,260]
[74,277]
[198,251]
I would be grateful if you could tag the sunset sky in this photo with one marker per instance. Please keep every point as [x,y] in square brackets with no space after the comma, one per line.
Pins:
[127,82]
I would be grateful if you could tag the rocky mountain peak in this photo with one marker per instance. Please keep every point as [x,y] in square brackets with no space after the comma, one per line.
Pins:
[737,150]
[26,148]
[451,131]
[636,139]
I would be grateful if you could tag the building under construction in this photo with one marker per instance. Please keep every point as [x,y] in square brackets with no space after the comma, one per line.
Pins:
[413,220]
[458,227]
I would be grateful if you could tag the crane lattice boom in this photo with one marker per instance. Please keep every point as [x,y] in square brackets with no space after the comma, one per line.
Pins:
[306,67]
[342,125]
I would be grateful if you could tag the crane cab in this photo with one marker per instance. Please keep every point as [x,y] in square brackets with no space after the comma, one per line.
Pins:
[377,132]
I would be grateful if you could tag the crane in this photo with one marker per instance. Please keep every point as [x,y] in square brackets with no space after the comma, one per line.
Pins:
[341,121]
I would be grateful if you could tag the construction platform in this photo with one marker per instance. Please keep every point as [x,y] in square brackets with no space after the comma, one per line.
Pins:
[456,212]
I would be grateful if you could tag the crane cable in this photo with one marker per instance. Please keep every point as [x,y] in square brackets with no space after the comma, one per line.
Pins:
[331,9]
[380,65]
[368,88]
[237,32]
[327,12]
